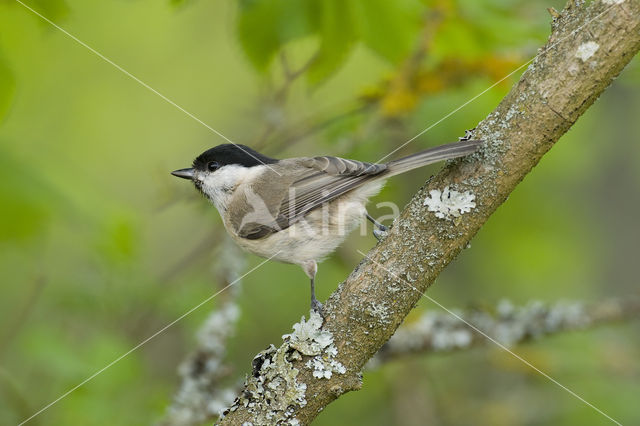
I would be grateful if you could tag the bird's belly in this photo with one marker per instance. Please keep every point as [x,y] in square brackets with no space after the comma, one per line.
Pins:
[309,239]
[318,234]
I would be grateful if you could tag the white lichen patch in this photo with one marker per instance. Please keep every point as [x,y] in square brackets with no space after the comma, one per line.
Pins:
[274,391]
[612,1]
[379,311]
[309,339]
[324,366]
[448,203]
[308,336]
[587,50]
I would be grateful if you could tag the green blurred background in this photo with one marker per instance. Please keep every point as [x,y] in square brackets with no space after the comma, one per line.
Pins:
[100,247]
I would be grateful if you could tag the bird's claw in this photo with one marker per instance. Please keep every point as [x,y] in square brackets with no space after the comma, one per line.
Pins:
[380,233]
[317,307]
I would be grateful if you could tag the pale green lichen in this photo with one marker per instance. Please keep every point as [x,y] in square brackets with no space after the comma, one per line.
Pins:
[324,366]
[274,391]
[308,336]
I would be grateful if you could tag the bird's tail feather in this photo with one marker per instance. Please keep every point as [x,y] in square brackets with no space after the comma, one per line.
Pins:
[432,155]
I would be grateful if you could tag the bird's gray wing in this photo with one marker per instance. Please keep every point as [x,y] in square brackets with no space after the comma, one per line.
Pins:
[327,178]
[303,185]
[341,167]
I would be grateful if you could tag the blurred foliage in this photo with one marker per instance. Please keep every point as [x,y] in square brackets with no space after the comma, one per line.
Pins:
[7,87]
[401,94]
[387,28]
[100,247]
[28,212]
[52,9]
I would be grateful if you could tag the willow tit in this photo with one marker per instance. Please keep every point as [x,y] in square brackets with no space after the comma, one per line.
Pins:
[298,210]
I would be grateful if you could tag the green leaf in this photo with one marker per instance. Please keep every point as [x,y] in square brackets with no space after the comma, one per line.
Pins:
[456,38]
[25,207]
[180,3]
[120,240]
[264,27]
[7,88]
[389,28]
[51,9]
[337,37]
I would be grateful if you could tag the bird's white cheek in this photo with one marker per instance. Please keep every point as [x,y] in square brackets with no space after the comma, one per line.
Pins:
[216,192]
[219,185]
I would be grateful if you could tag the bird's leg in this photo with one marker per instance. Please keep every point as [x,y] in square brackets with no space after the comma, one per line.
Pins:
[379,230]
[310,268]
[315,304]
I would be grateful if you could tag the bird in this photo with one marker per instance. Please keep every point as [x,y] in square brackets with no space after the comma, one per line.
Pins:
[298,210]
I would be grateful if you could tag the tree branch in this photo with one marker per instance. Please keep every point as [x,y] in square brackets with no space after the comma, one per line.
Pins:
[587,49]
[205,384]
[510,325]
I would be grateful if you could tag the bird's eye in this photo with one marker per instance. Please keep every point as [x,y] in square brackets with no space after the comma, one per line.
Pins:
[213,166]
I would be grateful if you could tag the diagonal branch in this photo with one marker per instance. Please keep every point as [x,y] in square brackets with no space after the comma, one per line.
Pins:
[587,49]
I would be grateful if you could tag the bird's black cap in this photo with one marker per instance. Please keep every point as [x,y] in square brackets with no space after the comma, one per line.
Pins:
[231,154]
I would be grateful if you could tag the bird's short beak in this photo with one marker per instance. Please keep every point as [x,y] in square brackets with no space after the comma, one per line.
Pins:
[183,173]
